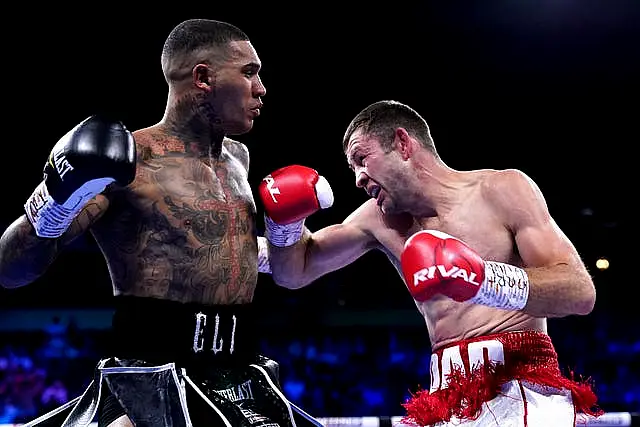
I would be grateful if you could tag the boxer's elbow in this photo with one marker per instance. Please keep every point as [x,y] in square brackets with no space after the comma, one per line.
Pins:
[15,274]
[292,275]
[290,267]
[11,282]
[8,284]
[289,281]
[7,280]
[586,301]
[292,285]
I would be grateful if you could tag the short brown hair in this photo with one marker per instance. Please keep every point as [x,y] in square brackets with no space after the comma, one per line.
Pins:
[382,118]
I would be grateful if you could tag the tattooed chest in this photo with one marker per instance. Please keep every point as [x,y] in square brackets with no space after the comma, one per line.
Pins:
[209,202]
[195,254]
[209,222]
[196,237]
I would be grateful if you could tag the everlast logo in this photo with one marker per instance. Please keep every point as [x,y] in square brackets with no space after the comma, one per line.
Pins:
[237,392]
[272,190]
[59,160]
[218,343]
[454,272]
[37,200]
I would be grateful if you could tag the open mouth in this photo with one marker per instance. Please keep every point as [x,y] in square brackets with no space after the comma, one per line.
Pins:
[375,191]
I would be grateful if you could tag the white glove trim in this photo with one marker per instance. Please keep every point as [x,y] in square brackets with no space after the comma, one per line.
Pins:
[324,193]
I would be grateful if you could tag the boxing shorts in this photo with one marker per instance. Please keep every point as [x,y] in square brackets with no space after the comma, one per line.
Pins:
[508,379]
[175,365]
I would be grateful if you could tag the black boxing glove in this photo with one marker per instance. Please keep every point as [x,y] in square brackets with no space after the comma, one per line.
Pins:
[92,155]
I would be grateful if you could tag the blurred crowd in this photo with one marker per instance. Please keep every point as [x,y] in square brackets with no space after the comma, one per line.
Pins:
[337,371]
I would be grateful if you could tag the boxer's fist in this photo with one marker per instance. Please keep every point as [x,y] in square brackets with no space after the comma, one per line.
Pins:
[293,193]
[434,262]
[92,155]
[289,195]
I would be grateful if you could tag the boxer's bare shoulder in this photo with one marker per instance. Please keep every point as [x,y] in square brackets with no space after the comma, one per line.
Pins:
[504,187]
[514,199]
[156,141]
[389,231]
[238,151]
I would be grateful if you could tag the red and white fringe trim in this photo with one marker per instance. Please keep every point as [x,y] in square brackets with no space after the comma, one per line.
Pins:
[465,393]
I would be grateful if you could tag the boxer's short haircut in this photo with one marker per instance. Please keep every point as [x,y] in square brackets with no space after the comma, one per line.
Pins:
[381,119]
[191,40]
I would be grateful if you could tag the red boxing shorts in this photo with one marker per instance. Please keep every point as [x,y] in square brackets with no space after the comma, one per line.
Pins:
[493,379]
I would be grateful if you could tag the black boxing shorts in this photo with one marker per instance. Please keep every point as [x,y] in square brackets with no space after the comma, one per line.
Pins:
[190,335]
[185,365]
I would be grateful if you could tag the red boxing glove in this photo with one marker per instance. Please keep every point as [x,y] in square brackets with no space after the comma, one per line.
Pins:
[290,194]
[434,263]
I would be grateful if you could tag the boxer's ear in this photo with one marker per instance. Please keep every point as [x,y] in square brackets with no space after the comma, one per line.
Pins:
[403,143]
[203,77]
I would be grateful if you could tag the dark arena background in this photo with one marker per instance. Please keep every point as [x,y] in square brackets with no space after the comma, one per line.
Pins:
[549,87]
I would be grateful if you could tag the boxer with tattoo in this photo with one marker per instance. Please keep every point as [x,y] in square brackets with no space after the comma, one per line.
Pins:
[172,211]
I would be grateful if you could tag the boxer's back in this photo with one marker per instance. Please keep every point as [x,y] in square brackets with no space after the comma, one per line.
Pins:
[473,220]
[184,230]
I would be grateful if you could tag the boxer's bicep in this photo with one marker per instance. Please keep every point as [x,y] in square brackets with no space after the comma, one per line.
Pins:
[88,216]
[560,283]
[543,244]
[540,241]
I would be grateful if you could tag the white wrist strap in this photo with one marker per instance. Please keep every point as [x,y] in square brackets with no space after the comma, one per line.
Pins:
[49,219]
[264,266]
[505,286]
[283,235]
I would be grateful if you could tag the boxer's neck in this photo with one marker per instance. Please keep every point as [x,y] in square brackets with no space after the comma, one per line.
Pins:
[194,122]
[434,185]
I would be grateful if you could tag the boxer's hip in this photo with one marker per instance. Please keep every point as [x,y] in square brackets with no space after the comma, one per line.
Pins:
[512,354]
[467,374]
[176,356]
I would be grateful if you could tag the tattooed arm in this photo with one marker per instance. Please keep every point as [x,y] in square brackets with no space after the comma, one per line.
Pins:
[24,256]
